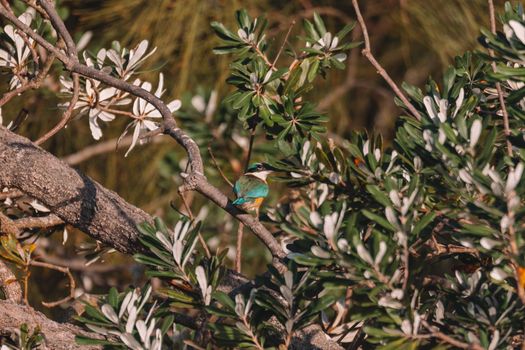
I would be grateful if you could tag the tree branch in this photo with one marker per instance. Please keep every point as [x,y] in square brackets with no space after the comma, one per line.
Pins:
[449,340]
[58,336]
[38,222]
[104,147]
[367,52]
[66,117]
[65,271]
[70,195]
[9,284]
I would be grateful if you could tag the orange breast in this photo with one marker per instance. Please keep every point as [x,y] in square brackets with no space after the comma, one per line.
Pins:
[253,205]
[258,202]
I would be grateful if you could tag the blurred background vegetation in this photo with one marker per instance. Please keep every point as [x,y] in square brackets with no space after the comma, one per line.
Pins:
[412,39]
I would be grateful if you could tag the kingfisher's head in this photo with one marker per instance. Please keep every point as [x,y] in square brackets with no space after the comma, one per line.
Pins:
[260,170]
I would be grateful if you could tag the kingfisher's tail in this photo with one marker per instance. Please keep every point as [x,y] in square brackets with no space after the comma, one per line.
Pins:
[239,201]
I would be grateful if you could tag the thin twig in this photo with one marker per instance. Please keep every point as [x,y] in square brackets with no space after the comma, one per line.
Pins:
[367,52]
[19,90]
[449,340]
[238,248]
[263,56]
[66,117]
[284,43]
[64,270]
[406,264]
[60,27]
[190,214]
[506,126]
[25,280]
[48,221]
[37,8]
[103,147]
[79,264]
[250,148]
[218,167]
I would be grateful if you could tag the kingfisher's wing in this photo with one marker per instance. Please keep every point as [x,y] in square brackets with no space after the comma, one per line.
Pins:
[248,188]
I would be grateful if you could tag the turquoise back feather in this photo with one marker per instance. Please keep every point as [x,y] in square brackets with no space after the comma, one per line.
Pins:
[248,188]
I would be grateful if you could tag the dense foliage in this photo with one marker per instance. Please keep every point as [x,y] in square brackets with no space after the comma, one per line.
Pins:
[414,244]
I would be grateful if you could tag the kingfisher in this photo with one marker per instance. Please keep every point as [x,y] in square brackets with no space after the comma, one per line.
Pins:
[252,188]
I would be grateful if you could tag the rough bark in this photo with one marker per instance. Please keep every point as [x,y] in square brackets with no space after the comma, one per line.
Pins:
[58,336]
[9,284]
[69,194]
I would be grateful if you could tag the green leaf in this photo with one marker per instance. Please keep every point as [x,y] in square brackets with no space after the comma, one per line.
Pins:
[95,313]
[378,219]
[481,230]
[308,260]
[319,24]
[224,33]
[167,323]
[243,19]
[312,72]
[113,298]
[423,222]
[243,100]
[346,29]
[378,195]
[82,340]
[310,30]
[224,299]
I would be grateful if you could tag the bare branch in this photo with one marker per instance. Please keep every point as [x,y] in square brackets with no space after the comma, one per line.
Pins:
[103,147]
[284,43]
[7,225]
[501,98]
[32,84]
[238,248]
[58,336]
[16,227]
[10,194]
[79,263]
[449,340]
[218,167]
[70,195]
[38,222]
[66,117]
[9,284]
[64,270]
[59,26]
[367,52]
